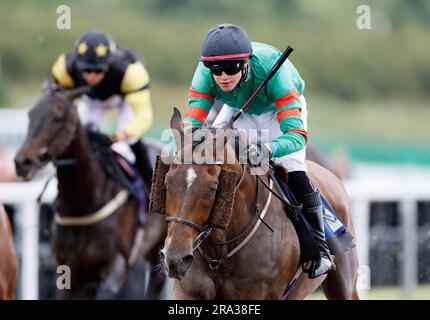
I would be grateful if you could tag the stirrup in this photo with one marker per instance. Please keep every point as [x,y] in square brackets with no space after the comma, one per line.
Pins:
[311,273]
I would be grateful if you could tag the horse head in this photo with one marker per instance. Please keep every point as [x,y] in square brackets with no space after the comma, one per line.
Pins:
[52,127]
[199,196]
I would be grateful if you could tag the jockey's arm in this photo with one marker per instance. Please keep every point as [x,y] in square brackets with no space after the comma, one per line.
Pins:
[135,87]
[288,108]
[60,74]
[200,99]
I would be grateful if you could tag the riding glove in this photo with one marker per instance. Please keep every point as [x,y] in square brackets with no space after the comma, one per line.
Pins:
[258,154]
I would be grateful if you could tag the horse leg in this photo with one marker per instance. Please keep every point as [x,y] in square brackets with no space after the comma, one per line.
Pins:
[157,278]
[156,284]
[341,283]
[304,287]
[117,275]
[155,231]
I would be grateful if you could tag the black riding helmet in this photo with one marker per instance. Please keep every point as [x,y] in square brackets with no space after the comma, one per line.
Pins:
[225,43]
[94,50]
[226,47]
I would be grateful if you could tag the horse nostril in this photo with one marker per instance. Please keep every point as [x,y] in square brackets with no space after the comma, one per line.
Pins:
[23,161]
[187,261]
[162,256]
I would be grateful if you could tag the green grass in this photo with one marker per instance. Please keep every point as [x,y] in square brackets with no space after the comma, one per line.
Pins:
[388,120]
[332,55]
[385,293]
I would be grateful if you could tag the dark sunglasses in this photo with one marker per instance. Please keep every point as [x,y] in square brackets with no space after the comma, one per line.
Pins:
[229,69]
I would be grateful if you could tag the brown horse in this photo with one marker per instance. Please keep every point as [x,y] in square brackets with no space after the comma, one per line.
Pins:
[216,247]
[96,231]
[8,261]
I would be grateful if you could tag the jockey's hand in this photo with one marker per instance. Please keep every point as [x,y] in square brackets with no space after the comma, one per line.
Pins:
[121,135]
[258,154]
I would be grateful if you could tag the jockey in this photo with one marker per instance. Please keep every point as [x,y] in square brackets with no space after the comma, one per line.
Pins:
[118,79]
[230,69]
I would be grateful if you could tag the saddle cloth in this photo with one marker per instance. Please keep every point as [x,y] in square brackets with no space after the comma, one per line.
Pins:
[337,236]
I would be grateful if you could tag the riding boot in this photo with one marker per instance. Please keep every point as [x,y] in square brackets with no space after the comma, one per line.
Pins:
[312,209]
[142,162]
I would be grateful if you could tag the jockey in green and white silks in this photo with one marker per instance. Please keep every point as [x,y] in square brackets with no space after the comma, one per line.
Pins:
[230,70]
[281,103]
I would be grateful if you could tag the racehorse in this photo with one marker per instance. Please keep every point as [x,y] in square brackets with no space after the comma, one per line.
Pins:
[216,246]
[8,260]
[96,230]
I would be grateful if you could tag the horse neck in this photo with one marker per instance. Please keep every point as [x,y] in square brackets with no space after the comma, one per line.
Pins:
[244,204]
[79,185]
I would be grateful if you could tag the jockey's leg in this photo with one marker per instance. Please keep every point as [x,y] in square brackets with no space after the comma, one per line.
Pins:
[140,151]
[312,209]
[303,189]
[142,162]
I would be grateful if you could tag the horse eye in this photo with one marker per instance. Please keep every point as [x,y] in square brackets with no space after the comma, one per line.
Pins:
[212,192]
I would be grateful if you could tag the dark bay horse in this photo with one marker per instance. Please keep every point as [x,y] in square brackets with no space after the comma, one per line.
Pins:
[216,247]
[96,231]
[8,260]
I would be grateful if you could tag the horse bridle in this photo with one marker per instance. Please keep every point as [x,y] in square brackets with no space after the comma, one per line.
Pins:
[206,230]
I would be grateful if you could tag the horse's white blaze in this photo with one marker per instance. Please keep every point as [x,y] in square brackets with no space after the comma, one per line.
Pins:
[191,176]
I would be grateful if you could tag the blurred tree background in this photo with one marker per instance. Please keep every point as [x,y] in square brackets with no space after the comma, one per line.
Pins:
[362,86]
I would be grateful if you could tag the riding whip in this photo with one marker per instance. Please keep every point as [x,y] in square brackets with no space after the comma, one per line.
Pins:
[272,72]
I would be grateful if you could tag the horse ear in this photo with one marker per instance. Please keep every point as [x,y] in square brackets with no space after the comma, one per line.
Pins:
[157,201]
[224,200]
[76,92]
[176,120]
[47,86]
[176,126]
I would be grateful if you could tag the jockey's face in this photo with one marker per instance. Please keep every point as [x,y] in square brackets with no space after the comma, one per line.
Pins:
[228,82]
[93,77]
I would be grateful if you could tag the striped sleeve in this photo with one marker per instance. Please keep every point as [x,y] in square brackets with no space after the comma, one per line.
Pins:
[200,98]
[288,109]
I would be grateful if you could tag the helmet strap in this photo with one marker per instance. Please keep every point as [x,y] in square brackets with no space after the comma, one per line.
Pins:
[245,75]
